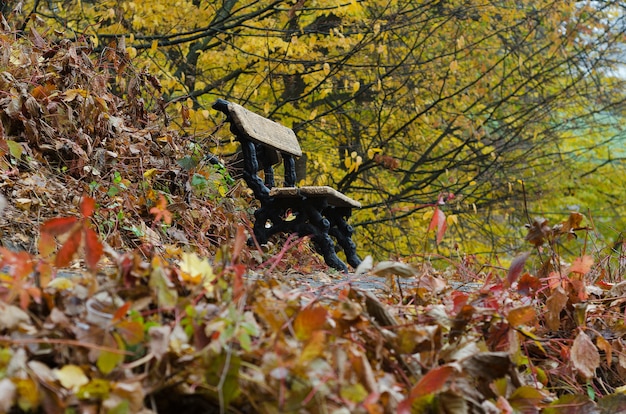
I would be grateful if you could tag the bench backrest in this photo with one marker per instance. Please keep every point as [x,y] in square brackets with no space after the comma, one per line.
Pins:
[264,131]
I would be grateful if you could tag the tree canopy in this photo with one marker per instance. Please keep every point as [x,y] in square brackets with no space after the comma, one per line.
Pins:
[413,108]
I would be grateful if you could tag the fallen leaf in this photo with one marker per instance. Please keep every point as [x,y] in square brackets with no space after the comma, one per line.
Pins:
[309,320]
[488,365]
[8,393]
[389,268]
[524,315]
[554,305]
[159,340]
[432,382]
[71,377]
[12,316]
[585,355]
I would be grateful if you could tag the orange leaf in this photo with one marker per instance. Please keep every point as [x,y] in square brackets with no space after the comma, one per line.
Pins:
[20,262]
[240,241]
[521,316]
[131,332]
[605,346]
[66,252]
[46,244]
[120,313]
[582,265]
[309,320]
[87,206]
[161,212]
[93,249]
[59,225]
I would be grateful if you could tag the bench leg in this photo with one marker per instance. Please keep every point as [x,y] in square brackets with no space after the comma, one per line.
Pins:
[342,232]
[344,239]
[322,240]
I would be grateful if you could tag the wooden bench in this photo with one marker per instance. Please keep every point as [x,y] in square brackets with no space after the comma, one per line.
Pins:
[316,211]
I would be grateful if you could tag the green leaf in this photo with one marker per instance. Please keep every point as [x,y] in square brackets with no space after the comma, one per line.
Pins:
[15,149]
[354,393]
[226,367]
[108,360]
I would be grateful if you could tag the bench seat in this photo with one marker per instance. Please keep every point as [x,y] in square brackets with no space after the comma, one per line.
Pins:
[334,197]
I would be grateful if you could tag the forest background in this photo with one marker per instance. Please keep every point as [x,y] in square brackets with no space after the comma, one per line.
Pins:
[403,106]
[454,123]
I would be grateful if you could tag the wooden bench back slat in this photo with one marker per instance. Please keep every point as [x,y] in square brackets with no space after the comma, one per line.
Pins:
[265,131]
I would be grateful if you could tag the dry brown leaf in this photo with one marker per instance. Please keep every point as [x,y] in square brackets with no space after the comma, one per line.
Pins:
[554,305]
[159,340]
[585,355]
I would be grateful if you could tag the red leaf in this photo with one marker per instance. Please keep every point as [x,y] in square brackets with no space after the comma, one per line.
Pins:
[59,225]
[66,252]
[516,268]
[432,382]
[87,206]
[438,221]
[93,249]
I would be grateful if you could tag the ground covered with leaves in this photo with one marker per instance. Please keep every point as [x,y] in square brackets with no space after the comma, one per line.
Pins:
[127,285]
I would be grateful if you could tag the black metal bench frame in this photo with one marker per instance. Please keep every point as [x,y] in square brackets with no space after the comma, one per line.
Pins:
[316,211]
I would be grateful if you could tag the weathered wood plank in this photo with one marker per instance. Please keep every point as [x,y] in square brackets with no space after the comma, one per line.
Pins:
[335,198]
[265,131]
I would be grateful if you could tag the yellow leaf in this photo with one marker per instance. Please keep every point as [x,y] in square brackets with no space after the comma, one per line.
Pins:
[71,377]
[154,45]
[347,161]
[61,283]
[149,173]
[452,219]
[313,115]
[27,394]
[373,151]
[197,270]
[356,86]
[266,107]
[326,68]
[454,65]
[132,52]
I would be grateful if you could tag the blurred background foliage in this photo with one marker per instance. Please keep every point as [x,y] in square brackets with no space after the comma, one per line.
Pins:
[403,105]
